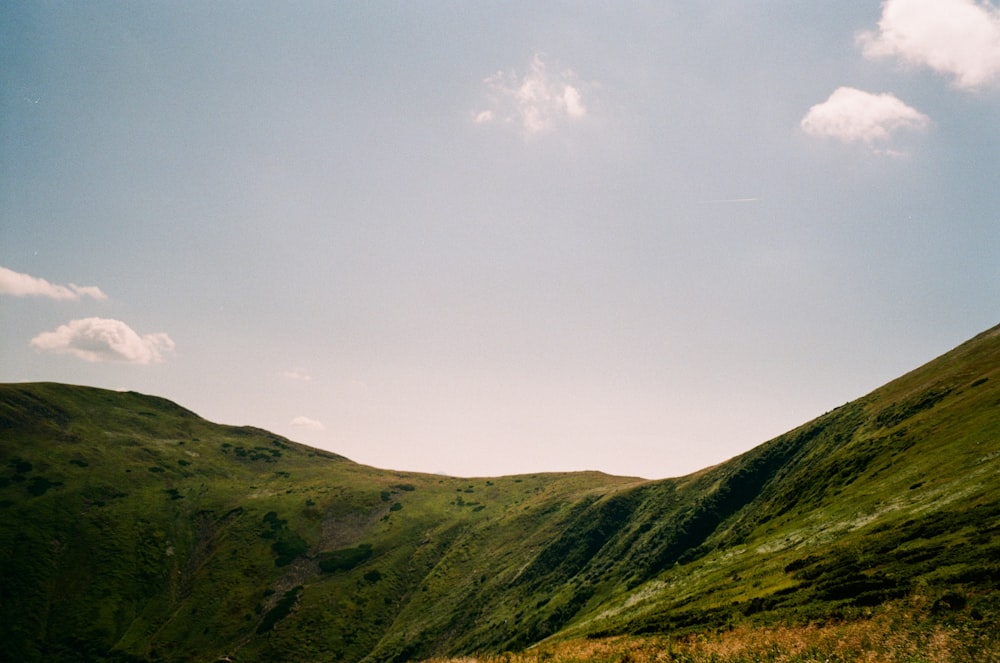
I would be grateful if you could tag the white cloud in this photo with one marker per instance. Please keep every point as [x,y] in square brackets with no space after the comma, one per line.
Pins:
[960,38]
[536,102]
[307,423]
[102,339]
[573,102]
[297,374]
[852,115]
[25,285]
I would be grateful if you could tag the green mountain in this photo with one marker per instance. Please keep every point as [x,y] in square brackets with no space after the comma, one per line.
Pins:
[133,530]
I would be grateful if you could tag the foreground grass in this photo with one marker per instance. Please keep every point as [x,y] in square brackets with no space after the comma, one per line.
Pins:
[900,634]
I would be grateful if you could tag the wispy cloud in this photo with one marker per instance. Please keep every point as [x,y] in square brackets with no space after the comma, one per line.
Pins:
[25,285]
[733,201]
[855,116]
[307,423]
[960,38]
[297,374]
[536,102]
[103,339]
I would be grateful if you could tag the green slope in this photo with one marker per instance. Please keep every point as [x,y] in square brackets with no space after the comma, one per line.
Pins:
[131,529]
[894,495]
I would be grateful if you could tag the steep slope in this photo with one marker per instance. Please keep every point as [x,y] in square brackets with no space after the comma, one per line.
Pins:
[894,495]
[131,529]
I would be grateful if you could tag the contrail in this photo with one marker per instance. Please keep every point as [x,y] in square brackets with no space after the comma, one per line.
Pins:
[734,200]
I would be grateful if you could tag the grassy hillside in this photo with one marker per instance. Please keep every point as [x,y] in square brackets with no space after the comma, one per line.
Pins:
[893,497]
[133,530]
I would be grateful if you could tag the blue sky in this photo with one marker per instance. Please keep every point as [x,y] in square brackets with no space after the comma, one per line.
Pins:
[495,238]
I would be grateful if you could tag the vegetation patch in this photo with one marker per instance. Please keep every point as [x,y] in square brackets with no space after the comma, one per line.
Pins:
[281,609]
[264,454]
[287,544]
[899,412]
[344,559]
[905,633]
[40,485]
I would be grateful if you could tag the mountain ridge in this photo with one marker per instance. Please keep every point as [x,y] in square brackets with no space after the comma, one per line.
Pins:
[135,530]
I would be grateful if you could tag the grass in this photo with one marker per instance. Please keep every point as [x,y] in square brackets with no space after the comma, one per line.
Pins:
[159,534]
[886,638]
[131,529]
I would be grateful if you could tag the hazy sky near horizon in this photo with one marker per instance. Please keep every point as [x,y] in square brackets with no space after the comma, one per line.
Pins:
[496,238]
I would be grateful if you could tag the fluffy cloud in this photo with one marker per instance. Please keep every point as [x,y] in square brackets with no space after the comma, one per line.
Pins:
[307,423]
[852,115]
[536,102]
[101,339]
[25,285]
[960,38]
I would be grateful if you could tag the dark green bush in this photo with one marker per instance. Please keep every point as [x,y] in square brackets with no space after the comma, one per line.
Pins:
[281,610]
[287,543]
[40,485]
[344,559]
[288,546]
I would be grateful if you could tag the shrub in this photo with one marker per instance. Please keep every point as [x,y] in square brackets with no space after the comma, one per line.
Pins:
[287,543]
[39,485]
[344,559]
[288,546]
[281,610]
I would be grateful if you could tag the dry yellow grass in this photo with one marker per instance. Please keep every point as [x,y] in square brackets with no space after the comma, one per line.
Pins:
[887,638]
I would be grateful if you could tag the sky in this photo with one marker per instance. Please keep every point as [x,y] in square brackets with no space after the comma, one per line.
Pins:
[487,238]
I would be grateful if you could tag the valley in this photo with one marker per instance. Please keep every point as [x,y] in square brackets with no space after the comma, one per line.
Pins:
[133,530]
